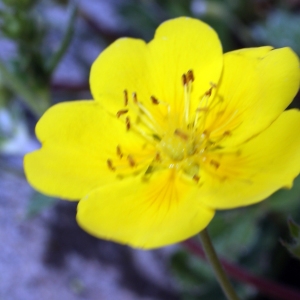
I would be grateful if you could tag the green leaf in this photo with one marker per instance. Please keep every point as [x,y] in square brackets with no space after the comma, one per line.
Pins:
[57,56]
[294,247]
[38,203]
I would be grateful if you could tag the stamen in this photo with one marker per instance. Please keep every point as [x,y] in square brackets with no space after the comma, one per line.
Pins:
[134,97]
[152,120]
[119,152]
[213,85]
[110,165]
[205,109]
[227,133]
[196,178]
[187,80]
[181,134]
[215,164]
[125,97]
[184,79]
[208,92]
[127,121]
[205,134]
[190,76]
[154,100]
[131,161]
[157,157]
[121,112]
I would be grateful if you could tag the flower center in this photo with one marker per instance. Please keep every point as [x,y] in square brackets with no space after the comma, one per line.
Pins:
[182,145]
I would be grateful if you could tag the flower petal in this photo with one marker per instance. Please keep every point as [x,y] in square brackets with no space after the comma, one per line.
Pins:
[156,69]
[121,66]
[256,86]
[261,166]
[144,214]
[77,140]
[181,45]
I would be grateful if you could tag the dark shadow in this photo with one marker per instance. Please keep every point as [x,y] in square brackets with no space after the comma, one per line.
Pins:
[67,237]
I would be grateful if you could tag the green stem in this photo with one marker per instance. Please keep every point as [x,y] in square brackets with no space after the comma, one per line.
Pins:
[56,58]
[217,267]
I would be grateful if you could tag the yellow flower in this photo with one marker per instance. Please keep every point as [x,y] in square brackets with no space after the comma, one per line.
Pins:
[177,130]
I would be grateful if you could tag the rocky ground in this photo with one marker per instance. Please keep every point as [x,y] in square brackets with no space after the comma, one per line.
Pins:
[49,257]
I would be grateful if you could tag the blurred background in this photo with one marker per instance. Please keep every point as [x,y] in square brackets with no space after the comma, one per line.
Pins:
[46,50]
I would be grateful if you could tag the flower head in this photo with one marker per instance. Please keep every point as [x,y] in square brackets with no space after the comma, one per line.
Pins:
[177,129]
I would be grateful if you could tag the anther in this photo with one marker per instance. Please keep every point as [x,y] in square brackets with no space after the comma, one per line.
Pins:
[134,97]
[184,79]
[154,100]
[190,76]
[226,133]
[157,157]
[125,97]
[181,134]
[119,152]
[205,134]
[127,123]
[131,161]
[196,178]
[213,85]
[215,164]
[122,112]
[208,92]
[110,165]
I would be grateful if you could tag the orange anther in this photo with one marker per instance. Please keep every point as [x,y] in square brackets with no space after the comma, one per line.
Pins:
[119,152]
[134,97]
[154,100]
[196,178]
[190,76]
[157,157]
[125,97]
[181,134]
[215,164]
[208,93]
[110,165]
[131,161]
[122,112]
[183,79]
[127,123]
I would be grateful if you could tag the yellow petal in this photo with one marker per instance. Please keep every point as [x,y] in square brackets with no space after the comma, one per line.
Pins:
[180,45]
[156,69]
[257,169]
[144,213]
[78,138]
[256,86]
[121,66]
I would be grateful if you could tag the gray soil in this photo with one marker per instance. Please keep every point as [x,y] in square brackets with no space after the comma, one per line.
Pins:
[49,257]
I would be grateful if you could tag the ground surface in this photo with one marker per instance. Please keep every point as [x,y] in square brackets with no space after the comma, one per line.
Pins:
[49,257]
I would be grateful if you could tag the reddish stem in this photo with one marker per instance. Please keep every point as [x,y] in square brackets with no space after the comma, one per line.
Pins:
[264,286]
